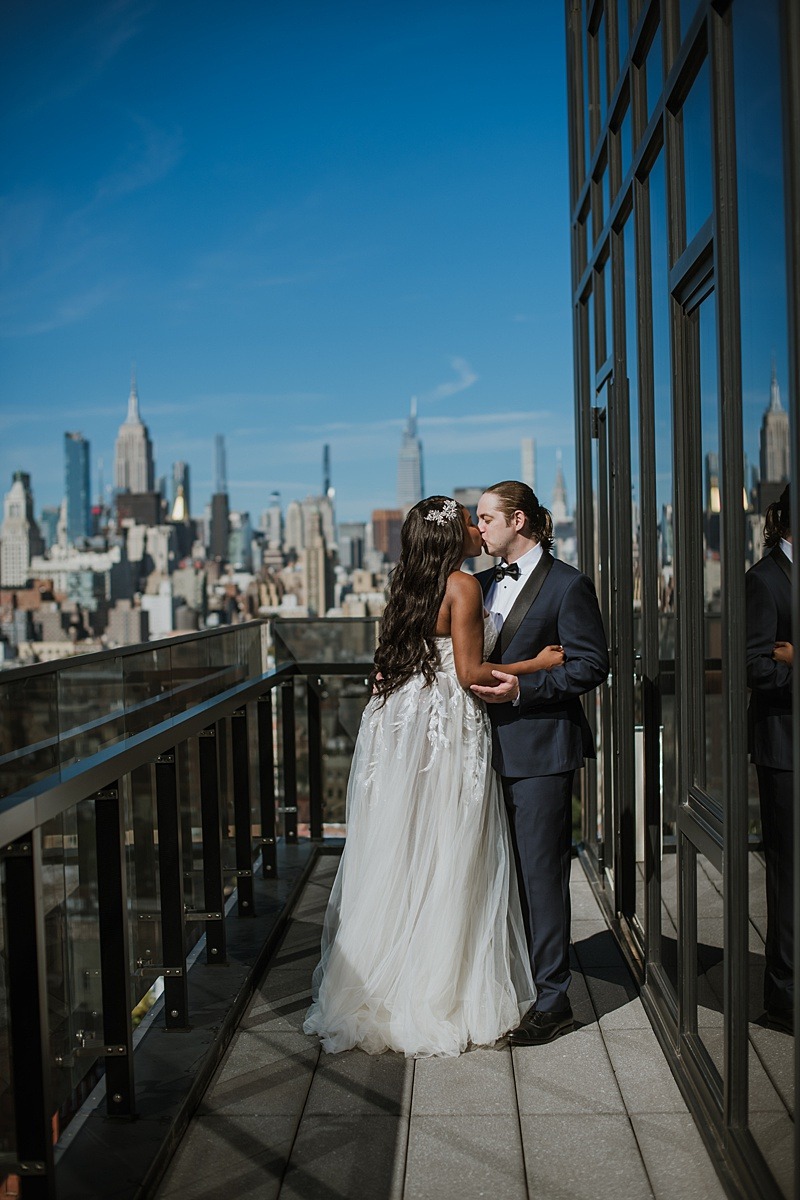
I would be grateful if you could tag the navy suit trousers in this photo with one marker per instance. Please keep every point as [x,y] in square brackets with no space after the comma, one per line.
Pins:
[540,815]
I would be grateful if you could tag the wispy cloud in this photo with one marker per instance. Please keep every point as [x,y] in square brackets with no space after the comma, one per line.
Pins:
[66,312]
[156,157]
[465,377]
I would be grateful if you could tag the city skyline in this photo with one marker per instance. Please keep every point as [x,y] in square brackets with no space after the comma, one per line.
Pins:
[311,214]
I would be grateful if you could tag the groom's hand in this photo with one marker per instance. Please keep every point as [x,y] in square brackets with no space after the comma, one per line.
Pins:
[507,690]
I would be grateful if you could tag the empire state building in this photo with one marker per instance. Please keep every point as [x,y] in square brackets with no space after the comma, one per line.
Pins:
[775,452]
[133,453]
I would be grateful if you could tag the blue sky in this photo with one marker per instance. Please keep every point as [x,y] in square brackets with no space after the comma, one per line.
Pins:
[292,216]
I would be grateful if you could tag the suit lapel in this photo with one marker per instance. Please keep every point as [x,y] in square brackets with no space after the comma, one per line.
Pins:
[485,579]
[783,562]
[530,590]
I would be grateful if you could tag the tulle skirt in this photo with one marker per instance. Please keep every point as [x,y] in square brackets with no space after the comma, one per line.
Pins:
[423,949]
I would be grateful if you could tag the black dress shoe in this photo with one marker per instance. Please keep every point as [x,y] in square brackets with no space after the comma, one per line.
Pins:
[536,1028]
[783,1018]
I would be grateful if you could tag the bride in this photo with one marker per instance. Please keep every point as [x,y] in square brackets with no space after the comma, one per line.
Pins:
[423,947]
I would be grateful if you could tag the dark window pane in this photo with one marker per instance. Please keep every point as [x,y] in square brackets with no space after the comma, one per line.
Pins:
[696,122]
[622,29]
[688,9]
[626,141]
[711,752]
[654,73]
[602,68]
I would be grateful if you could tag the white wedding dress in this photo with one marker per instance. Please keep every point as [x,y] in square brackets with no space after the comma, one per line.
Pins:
[423,949]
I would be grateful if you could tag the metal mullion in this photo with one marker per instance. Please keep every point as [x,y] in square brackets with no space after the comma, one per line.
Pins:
[29,1035]
[315,799]
[170,875]
[241,813]
[734,678]
[790,79]
[112,915]
[622,591]
[651,695]
[288,732]
[211,821]
[266,767]
[575,105]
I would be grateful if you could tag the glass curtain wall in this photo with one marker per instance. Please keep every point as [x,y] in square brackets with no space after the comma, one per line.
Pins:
[684,162]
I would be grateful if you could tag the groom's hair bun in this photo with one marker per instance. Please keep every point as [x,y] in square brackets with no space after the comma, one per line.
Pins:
[518,497]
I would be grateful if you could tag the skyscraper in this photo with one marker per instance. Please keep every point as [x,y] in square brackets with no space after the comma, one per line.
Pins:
[527,448]
[410,486]
[76,487]
[220,509]
[20,539]
[558,507]
[133,454]
[775,437]
[180,480]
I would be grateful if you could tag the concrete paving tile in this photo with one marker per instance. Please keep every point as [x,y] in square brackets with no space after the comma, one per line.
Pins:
[335,1158]
[595,947]
[610,988]
[570,1075]
[464,1158]
[582,1157]
[480,1082]
[356,1083]
[642,1072]
[233,1155]
[280,1002]
[776,1052]
[774,1135]
[263,1072]
[677,1162]
[580,1001]
[584,904]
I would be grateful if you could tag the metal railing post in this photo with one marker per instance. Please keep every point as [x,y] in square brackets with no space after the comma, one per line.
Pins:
[266,767]
[211,817]
[112,905]
[241,813]
[315,800]
[27,1009]
[170,875]
[289,806]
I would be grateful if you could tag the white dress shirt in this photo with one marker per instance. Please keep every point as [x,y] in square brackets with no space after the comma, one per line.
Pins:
[501,596]
[786,547]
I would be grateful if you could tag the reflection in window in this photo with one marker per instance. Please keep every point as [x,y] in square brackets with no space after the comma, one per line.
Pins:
[654,72]
[602,68]
[589,98]
[688,9]
[622,29]
[696,124]
[633,400]
[626,141]
[711,752]
[605,180]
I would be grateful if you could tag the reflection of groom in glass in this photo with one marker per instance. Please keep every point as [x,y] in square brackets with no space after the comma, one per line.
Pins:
[540,732]
[770,655]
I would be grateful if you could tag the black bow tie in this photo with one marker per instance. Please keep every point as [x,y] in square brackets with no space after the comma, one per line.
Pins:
[511,569]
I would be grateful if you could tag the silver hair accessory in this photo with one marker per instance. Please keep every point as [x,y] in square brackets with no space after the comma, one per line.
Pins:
[448,512]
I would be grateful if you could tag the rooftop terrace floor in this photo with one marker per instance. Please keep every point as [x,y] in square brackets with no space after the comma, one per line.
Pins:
[595,1113]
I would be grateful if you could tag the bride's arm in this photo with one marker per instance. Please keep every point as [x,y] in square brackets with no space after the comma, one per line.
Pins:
[465,601]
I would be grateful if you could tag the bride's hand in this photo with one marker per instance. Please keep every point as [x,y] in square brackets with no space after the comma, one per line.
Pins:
[551,656]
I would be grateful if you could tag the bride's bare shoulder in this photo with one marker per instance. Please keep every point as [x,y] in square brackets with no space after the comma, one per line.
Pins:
[462,586]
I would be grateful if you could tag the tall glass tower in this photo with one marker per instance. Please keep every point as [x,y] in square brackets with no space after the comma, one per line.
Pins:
[410,487]
[76,486]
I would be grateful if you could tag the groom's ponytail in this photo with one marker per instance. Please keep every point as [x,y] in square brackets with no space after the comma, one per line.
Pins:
[518,497]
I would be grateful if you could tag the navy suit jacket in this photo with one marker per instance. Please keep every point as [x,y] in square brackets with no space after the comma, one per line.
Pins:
[547,732]
[768,595]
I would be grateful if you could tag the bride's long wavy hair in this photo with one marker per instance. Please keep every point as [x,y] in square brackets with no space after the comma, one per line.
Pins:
[429,552]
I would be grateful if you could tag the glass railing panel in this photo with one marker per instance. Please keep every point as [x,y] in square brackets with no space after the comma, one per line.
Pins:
[90,708]
[144,930]
[28,731]
[147,684]
[192,678]
[72,951]
[343,701]
[332,640]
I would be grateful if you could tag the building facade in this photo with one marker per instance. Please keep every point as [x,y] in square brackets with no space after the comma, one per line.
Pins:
[133,454]
[684,134]
[76,487]
[20,539]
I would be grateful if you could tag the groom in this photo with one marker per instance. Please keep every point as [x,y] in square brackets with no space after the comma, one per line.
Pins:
[540,732]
